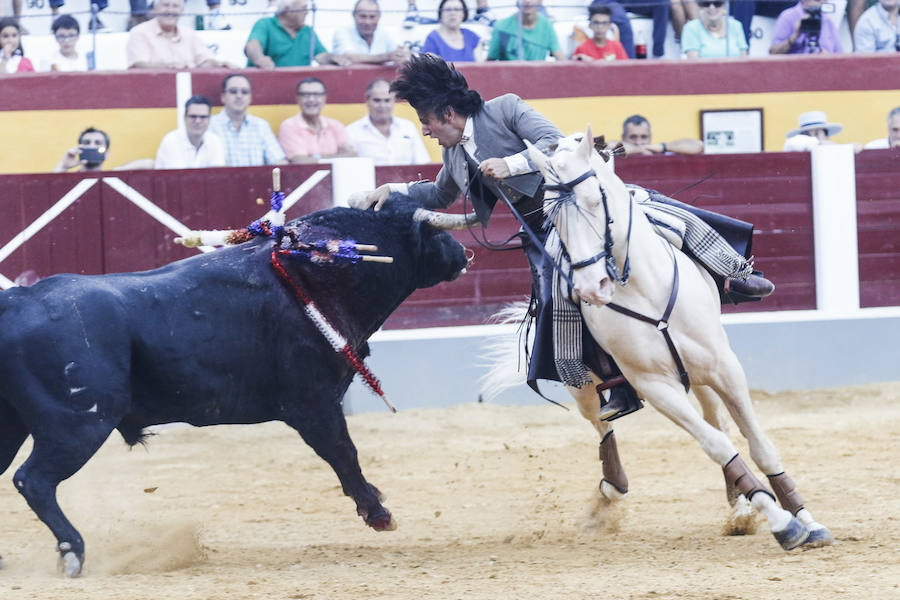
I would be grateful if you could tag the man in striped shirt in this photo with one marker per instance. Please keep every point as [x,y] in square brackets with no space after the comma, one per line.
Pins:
[249,141]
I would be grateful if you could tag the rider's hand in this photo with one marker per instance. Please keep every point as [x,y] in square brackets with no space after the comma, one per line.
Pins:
[363,200]
[494,167]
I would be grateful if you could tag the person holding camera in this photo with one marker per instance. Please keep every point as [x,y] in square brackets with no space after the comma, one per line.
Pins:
[88,155]
[802,30]
[878,29]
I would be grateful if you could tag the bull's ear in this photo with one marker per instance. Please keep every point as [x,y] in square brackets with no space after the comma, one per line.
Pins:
[536,156]
[587,144]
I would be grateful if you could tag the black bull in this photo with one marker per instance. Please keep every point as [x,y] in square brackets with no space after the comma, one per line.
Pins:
[212,339]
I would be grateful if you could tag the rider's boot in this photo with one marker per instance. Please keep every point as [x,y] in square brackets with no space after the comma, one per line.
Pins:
[755,286]
[623,400]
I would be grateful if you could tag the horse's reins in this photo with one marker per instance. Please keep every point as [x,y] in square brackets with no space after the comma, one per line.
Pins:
[567,194]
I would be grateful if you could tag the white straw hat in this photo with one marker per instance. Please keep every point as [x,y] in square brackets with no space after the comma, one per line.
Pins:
[815,119]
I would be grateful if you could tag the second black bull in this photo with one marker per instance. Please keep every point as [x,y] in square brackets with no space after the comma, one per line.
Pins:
[212,339]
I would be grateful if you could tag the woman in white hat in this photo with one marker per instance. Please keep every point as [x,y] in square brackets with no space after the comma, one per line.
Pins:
[814,130]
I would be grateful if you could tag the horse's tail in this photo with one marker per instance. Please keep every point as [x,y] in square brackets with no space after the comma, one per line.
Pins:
[505,354]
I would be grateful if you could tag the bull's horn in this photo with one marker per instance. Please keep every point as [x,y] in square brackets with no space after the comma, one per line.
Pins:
[445,220]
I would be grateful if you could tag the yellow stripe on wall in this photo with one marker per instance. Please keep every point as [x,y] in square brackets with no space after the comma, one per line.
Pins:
[44,136]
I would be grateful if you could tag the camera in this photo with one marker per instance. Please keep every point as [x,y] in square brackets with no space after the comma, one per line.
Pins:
[811,25]
[92,155]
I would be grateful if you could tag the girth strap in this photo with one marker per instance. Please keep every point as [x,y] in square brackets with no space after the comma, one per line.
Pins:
[663,325]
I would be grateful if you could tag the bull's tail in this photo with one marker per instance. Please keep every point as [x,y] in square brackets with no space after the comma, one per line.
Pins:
[505,355]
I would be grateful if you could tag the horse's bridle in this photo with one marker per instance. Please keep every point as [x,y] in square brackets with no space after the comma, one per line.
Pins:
[567,193]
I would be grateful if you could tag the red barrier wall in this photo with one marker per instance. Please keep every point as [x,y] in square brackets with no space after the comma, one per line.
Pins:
[103,232]
[878,227]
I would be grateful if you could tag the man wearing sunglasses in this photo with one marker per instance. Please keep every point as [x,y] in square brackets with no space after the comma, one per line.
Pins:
[249,141]
[193,146]
[802,30]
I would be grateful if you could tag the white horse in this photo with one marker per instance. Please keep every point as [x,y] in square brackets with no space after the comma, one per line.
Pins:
[596,218]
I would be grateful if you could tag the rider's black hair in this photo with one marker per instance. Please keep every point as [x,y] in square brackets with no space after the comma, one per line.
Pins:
[430,85]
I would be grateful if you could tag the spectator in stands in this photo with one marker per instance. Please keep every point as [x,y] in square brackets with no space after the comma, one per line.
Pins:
[12,56]
[483,15]
[193,146]
[283,40]
[658,10]
[878,29]
[893,129]
[365,42]
[386,139]
[537,35]
[450,40]
[89,155]
[249,141]
[621,20]
[814,130]
[683,11]
[92,151]
[714,34]
[600,47]
[65,58]
[308,136]
[637,139]
[161,44]
[802,30]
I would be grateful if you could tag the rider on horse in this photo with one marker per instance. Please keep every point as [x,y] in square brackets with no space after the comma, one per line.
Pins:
[485,157]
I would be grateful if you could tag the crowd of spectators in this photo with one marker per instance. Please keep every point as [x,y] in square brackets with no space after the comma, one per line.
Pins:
[235,138]
[703,28]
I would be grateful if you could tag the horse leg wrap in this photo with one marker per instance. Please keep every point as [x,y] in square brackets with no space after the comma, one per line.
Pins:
[783,486]
[613,473]
[738,475]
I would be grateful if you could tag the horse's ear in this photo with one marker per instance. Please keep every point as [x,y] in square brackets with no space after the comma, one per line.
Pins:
[587,144]
[536,156]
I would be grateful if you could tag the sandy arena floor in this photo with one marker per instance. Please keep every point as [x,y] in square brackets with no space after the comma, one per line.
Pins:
[491,501]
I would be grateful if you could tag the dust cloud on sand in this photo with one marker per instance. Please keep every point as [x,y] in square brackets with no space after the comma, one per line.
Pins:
[491,502]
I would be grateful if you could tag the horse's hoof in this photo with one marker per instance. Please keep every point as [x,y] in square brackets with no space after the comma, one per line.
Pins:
[793,535]
[383,521]
[70,564]
[383,524]
[611,492]
[818,538]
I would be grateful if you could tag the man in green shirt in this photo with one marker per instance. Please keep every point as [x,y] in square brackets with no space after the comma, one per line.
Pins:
[538,37]
[284,40]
